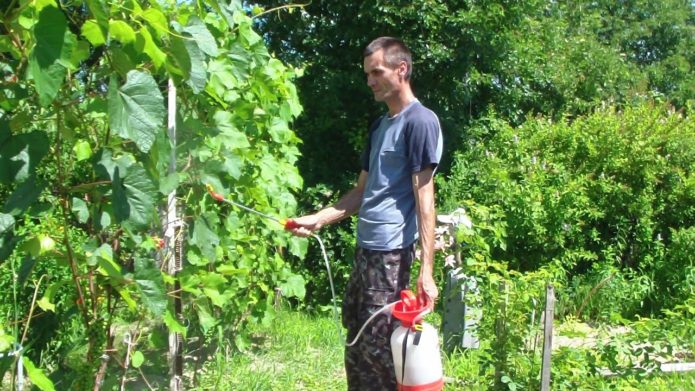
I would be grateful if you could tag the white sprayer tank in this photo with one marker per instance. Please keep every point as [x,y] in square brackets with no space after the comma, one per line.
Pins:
[415,348]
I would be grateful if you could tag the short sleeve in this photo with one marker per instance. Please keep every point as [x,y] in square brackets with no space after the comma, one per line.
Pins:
[424,144]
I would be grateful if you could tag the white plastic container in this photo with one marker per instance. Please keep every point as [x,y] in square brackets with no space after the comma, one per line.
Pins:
[415,348]
[423,363]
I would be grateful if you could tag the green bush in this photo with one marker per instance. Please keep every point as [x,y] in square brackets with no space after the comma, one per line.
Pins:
[511,330]
[611,191]
[604,293]
[674,274]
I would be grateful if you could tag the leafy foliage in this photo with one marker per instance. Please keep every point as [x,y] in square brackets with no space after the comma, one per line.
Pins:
[85,170]
[601,205]
[511,332]
[602,195]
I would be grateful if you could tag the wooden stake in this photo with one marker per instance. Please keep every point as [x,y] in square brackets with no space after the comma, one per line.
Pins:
[547,336]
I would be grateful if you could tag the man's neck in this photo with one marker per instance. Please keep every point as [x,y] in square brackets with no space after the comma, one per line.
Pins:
[400,102]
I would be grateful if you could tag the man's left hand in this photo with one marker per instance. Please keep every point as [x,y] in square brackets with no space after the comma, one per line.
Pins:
[427,289]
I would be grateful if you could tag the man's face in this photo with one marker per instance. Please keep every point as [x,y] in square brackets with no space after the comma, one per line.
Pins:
[384,81]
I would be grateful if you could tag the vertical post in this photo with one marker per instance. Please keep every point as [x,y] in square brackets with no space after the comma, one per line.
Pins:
[18,352]
[547,336]
[173,249]
[20,373]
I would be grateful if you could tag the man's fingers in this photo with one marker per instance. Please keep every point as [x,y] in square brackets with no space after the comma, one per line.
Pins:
[301,231]
[431,294]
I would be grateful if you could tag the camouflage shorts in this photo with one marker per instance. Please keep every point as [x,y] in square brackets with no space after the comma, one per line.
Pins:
[377,278]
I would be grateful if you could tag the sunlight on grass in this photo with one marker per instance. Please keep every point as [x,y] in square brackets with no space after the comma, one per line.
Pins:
[297,352]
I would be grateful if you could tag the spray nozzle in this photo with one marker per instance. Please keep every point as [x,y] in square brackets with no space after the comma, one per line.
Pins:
[213,194]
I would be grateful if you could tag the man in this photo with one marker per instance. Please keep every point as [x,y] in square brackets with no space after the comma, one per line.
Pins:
[394,196]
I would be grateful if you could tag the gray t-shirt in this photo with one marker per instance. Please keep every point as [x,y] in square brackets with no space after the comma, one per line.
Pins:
[397,148]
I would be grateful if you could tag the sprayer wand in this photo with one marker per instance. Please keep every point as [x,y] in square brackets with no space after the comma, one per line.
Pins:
[288,224]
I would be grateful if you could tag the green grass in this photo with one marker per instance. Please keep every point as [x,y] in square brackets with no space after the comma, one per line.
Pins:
[304,352]
[297,352]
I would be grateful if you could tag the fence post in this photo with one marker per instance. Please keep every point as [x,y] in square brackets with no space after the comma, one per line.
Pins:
[17,352]
[547,336]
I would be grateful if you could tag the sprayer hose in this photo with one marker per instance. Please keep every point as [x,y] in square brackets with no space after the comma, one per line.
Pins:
[387,307]
[330,281]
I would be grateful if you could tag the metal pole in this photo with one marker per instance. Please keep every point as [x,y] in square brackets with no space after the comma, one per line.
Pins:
[172,244]
[20,368]
[17,352]
[548,336]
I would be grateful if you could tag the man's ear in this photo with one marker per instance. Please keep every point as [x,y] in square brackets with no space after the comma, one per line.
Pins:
[402,68]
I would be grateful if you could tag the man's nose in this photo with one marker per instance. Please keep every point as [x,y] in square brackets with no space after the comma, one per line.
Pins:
[370,81]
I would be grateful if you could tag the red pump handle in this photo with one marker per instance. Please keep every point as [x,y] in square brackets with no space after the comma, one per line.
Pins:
[409,300]
[414,303]
[426,309]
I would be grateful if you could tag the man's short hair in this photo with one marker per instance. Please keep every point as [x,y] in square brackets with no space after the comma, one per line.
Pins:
[395,51]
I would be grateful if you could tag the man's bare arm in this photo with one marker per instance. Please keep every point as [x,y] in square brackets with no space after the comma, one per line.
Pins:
[423,187]
[348,205]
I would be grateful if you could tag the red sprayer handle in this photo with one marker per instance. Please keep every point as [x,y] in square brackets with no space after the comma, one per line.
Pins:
[289,224]
[410,309]
[427,308]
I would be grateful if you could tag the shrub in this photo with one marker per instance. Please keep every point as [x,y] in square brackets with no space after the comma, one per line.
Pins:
[611,191]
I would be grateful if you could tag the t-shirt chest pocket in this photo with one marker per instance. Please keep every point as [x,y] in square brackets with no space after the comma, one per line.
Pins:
[392,149]
[392,156]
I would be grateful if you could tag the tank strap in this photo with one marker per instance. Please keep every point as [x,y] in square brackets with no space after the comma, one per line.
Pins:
[416,339]
[404,348]
[403,354]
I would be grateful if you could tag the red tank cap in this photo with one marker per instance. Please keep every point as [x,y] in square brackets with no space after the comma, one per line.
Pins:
[408,309]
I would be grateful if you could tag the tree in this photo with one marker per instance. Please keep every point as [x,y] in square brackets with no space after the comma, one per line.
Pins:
[658,37]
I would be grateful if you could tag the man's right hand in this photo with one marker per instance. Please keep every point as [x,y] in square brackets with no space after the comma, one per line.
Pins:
[307,225]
